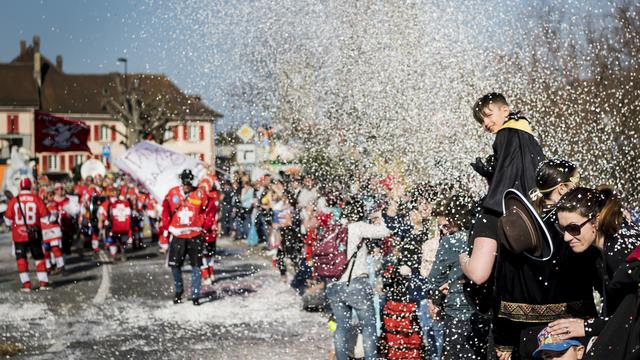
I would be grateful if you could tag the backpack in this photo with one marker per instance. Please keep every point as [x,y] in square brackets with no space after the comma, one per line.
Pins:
[330,252]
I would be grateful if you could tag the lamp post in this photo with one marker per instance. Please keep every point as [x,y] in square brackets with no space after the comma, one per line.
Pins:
[124,60]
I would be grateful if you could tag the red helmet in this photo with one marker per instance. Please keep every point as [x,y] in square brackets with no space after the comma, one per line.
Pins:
[25,184]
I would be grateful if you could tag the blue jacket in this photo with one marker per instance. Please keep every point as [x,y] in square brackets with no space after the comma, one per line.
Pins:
[446,269]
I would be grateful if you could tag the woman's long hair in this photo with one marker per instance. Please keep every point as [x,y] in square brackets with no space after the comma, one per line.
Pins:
[589,203]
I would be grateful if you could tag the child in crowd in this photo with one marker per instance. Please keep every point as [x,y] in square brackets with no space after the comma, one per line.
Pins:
[553,347]
[516,155]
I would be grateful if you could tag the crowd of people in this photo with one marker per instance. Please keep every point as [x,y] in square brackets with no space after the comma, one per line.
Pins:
[47,219]
[540,267]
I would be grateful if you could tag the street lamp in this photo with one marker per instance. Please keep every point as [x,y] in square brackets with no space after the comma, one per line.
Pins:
[124,60]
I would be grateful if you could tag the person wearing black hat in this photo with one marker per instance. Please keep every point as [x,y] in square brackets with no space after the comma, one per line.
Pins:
[183,211]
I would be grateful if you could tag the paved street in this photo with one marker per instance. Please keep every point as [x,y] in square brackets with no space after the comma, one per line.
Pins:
[124,311]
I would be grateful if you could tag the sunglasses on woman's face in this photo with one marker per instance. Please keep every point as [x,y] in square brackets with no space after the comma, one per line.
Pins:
[572,229]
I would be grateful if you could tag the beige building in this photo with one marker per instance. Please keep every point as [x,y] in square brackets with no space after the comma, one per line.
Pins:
[31,82]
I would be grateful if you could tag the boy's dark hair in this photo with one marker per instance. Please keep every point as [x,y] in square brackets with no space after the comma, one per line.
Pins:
[481,105]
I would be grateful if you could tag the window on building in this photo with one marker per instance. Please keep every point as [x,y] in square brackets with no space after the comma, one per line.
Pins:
[105,133]
[78,159]
[13,124]
[168,133]
[52,162]
[193,132]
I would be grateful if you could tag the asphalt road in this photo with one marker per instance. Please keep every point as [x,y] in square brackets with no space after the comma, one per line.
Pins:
[123,310]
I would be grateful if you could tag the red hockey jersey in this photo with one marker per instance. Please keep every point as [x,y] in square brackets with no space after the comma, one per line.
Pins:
[184,214]
[35,212]
[120,217]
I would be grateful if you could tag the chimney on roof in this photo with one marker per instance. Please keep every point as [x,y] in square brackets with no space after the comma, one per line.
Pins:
[23,46]
[37,61]
[59,62]
[36,43]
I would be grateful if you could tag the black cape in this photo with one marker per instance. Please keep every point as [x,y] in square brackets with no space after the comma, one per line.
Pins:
[517,156]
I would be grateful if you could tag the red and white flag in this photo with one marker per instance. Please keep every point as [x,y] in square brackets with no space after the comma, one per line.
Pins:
[56,134]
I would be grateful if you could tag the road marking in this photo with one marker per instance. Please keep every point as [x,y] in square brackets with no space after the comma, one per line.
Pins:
[105,284]
[57,346]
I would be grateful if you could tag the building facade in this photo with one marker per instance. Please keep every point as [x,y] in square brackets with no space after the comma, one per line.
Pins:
[31,82]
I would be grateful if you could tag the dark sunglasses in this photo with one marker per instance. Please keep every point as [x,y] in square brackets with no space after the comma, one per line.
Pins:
[572,229]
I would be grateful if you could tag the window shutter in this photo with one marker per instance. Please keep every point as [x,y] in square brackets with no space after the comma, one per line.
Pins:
[113,133]
[201,131]
[63,164]
[185,132]
[13,124]
[45,165]
[175,132]
[71,162]
[96,132]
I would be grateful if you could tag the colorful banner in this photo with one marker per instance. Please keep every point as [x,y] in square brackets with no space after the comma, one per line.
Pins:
[157,168]
[55,134]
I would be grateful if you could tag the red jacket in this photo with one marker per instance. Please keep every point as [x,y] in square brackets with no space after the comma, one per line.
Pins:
[120,217]
[34,210]
[184,214]
[210,224]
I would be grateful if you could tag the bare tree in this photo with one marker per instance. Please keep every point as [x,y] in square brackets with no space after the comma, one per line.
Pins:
[144,117]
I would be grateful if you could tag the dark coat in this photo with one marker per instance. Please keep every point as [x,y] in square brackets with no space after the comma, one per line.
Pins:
[517,156]
[620,339]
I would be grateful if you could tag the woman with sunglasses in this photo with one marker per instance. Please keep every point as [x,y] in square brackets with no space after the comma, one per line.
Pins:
[534,291]
[593,219]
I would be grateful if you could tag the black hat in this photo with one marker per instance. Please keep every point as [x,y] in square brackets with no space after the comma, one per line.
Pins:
[186,176]
[521,229]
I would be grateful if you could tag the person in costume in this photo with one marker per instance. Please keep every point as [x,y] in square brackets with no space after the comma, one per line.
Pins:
[535,289]
[52,236]
[120,215]
[209,184]
[27,211]
[183,210]
[516,156]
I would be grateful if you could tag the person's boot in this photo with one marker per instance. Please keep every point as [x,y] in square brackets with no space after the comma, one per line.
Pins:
[177,299]
[44,286]
[196,302]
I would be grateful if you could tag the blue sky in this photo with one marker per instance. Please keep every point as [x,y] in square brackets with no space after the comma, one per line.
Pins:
[92,34]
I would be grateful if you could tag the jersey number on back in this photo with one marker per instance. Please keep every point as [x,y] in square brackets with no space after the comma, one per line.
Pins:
[29,213]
